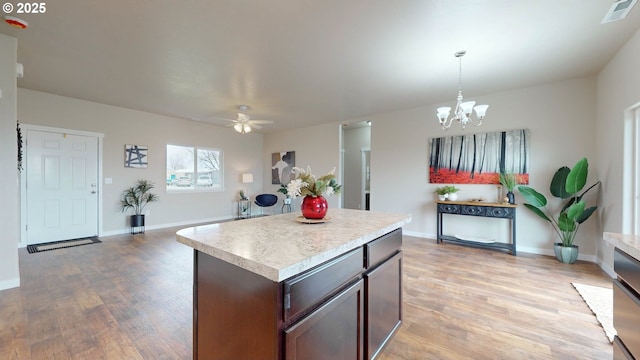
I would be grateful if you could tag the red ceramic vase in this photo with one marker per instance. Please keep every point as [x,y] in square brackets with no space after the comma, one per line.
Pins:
[314,207]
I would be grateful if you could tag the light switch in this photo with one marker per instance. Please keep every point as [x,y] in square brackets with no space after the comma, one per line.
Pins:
[108,180]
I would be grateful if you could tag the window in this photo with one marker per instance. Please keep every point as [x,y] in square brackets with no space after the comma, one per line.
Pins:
[193,169]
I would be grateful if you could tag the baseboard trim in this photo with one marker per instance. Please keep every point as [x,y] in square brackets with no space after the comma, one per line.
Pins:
[10,284]
[168,225]
[530,250]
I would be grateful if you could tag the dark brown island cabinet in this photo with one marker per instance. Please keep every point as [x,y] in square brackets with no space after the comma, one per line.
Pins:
[626,295]
[347,307]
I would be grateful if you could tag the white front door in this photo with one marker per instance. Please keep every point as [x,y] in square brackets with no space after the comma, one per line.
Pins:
[61,186]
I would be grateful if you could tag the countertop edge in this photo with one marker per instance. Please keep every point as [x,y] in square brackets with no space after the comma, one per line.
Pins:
[286,272]
[630,244]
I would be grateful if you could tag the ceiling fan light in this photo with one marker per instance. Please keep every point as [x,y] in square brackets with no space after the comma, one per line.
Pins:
[247,129]
[238,127]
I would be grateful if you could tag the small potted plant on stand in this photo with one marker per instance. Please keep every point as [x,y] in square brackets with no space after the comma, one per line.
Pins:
[284,190]
[565,184]
[447,192]
[136,198]
[243,205]
[287,198]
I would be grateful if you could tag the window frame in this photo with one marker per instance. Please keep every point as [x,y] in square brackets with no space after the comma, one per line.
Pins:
[191,167]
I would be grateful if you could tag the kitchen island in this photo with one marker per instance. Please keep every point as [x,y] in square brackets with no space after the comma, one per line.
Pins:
[275,288]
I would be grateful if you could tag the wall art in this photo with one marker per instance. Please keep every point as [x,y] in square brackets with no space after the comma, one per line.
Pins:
[135,156]
[479,158]
[282,164]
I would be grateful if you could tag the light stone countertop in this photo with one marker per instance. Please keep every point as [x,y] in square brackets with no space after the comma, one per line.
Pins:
[278,247]
[627,243]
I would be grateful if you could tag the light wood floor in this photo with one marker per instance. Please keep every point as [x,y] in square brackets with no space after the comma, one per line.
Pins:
[130,297]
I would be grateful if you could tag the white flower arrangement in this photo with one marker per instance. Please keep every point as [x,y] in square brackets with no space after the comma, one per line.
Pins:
[306,183]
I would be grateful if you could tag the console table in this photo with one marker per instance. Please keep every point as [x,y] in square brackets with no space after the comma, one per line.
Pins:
[477,208]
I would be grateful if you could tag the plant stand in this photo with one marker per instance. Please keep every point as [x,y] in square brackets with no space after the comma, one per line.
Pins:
[286,205]
[244,209]
[137,224]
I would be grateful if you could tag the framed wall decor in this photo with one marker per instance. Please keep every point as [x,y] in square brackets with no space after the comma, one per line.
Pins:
[479,158]
[282,164]
[135,156]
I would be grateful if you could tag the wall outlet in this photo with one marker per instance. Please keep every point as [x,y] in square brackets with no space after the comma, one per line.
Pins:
[108,180]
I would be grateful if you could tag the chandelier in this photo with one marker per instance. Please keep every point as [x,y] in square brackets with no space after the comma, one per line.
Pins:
[463,111]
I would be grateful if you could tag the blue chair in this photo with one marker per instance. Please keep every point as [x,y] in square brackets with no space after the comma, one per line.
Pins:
[265,200]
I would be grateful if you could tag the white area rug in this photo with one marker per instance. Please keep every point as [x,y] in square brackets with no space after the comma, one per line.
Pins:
[600,301]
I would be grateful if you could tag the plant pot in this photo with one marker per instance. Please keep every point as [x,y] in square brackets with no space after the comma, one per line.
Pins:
[452,196]
[566,254]
[314,207]
[442,197]
[137,223]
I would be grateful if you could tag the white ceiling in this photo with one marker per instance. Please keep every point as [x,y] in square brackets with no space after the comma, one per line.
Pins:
[301,62]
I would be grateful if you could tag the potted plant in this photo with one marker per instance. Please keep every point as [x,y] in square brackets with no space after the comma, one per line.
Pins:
[509,181]
[565,184]
[283,189]
[447,192]
[136,198]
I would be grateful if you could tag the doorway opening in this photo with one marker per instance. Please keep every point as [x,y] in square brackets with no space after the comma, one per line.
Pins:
[356,143]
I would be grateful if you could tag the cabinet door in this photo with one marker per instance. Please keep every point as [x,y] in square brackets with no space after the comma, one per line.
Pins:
[383,304]
[333,331]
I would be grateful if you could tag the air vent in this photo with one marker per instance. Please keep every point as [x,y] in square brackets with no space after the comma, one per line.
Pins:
[618,11]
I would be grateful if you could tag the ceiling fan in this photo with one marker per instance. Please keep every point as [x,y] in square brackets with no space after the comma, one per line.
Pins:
[243,123]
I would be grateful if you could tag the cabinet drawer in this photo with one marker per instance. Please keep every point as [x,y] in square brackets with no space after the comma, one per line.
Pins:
[333,331]
[627,268]
[382,248]
[626,316]
[306,291]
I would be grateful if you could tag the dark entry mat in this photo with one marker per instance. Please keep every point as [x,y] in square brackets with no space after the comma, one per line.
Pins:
[35,248]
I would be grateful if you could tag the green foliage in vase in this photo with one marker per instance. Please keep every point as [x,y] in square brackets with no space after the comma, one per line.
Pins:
[508,180]
[447,189]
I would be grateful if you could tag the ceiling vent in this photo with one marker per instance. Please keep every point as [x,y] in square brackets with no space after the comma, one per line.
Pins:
[618,11]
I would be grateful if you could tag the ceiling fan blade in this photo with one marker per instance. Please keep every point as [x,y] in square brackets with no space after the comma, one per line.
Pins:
[255,126]
[261,121]
[223,119]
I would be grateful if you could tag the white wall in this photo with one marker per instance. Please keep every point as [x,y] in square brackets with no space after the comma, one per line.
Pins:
[561,117]
[618,87]
[242,153]
[315,146]
[9,190]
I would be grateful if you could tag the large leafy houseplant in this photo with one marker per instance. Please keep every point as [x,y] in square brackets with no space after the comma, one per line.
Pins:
[137,197]
[565,185]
